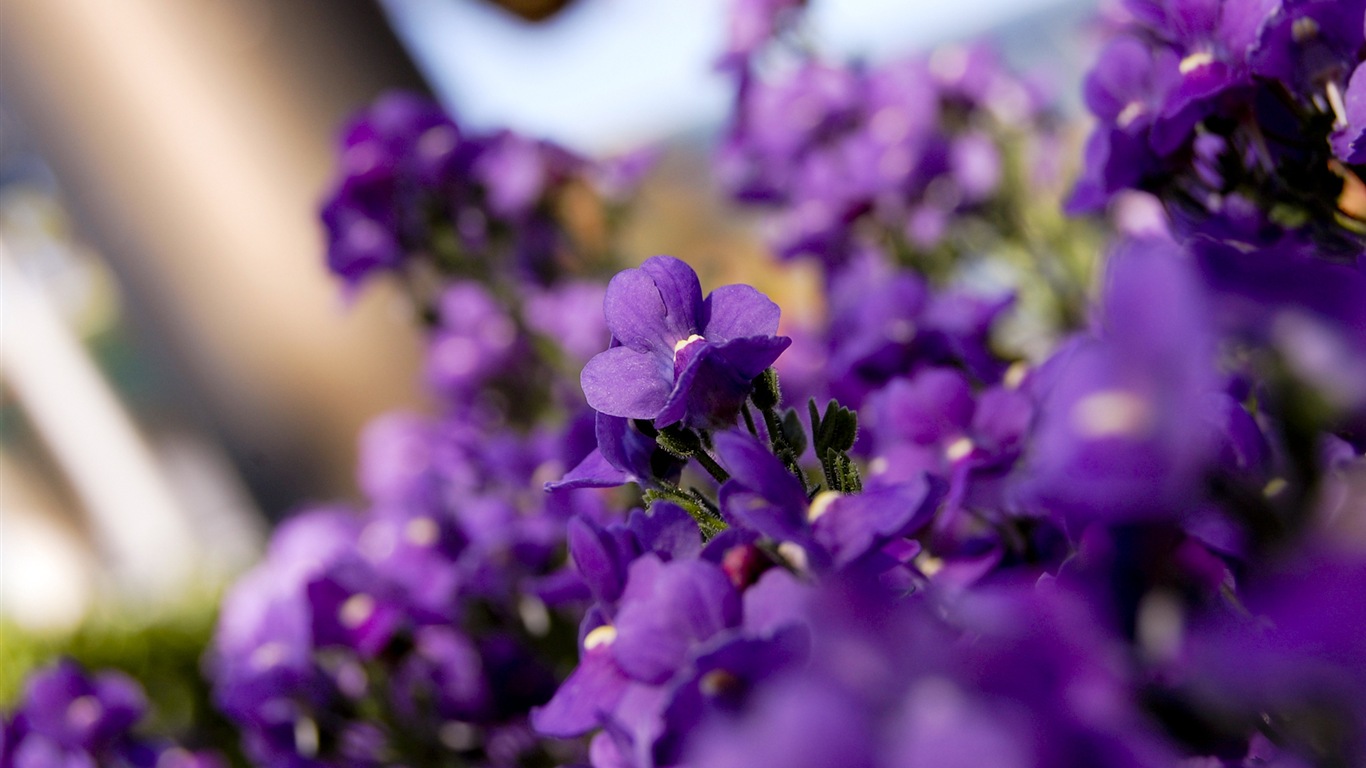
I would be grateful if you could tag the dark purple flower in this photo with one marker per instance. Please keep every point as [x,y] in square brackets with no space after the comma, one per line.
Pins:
[1311,46]
[1312,310]
[676,357]
[352,607]
[832,531]
[402,142]
[1296,659]
[666,609]
[894,683]
[588,696]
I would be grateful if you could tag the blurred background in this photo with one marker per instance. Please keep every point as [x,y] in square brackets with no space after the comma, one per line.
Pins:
[177,370]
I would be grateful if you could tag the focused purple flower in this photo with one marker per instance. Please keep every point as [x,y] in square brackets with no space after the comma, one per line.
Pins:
[676,357]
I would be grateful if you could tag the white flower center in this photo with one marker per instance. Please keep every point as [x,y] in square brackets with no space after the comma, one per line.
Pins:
[84,711]
[958,449]
[356,610]
[267,656]
[422,531]
[1195,61]
[604,635]
[795,555]
[1339,106]
[1112,413]
[821,504]
[685,342]
[1132,111]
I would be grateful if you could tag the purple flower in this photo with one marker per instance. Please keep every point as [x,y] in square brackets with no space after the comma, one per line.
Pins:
[793,722]
[570,314]
[666,609]
[1347,138]
[894,683]
[1296,659]
[676,357]
[263,642]
[1311,310]
[1231,112]
[885,323]
[78,712]
[1120,434]
[1310,46]
[833,531]
[388,152]
[934,424]
[475,340]
[68,718]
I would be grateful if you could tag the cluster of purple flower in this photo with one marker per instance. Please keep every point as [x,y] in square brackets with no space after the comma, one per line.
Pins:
[1245,120]
[1063,564]
[422,629]
[69,719]
[1243,116]
[1052,569]
[414,188]
[896,155]
[1144,548]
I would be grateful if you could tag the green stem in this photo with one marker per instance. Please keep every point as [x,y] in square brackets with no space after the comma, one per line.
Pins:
[714,469]
[749,420]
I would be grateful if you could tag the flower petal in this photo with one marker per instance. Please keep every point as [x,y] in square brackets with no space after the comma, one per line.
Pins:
[752,466]
[737,311]
[624,382]
[585,699]
[654,307]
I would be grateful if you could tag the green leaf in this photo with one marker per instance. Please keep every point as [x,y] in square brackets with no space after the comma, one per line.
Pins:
[794,432]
